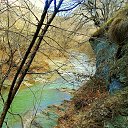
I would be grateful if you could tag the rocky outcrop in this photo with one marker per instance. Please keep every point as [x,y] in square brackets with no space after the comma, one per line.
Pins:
[103,101]
[110,44]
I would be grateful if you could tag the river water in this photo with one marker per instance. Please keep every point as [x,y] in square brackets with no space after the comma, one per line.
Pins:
[29,102]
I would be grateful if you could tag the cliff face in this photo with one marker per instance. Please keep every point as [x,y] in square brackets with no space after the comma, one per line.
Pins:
[110,69]
[111,48]
[103,101]
[105,54]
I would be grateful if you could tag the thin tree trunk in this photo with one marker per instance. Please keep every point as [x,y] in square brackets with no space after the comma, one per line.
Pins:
[16,83]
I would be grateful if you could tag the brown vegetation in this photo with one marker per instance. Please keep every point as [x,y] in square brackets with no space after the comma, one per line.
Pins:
[93,106]
[118,30]
[83,101]
[116,27]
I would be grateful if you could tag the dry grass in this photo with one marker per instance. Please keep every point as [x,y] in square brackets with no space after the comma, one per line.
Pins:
[82,103]
[91,107]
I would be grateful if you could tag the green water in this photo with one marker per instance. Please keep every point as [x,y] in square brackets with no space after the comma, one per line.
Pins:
[33,100]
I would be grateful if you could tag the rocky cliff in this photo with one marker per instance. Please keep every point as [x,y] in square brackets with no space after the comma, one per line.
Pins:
[103,101]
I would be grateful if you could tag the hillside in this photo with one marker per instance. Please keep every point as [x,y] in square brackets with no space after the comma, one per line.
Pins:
[102,102]
[17,28]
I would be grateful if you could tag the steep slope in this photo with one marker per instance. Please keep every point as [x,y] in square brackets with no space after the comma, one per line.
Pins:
[102,102]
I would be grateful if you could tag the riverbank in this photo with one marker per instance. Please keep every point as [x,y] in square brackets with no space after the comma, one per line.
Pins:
[103,101]
[74,69]
[51,88]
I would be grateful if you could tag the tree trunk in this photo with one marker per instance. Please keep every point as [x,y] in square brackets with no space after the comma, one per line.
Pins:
[33,48]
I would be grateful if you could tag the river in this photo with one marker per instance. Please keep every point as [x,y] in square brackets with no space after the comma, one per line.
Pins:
[29,102]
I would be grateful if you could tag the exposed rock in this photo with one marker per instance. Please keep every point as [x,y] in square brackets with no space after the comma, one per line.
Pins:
[112,57]
[92,105]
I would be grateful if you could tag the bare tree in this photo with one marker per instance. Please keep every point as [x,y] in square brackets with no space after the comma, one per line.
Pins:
[97,11]
[27,58]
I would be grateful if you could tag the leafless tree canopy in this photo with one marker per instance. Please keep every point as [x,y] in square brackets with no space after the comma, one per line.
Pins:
[25,31]
[98,11]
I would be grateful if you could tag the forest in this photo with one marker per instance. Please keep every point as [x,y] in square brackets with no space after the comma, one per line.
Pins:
[63,64]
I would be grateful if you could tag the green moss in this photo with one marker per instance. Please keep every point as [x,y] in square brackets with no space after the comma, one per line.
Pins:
[119,68]
[103,28]
[118,29]
[121,14]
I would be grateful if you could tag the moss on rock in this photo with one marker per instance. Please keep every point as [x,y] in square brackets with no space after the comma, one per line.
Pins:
[119,68]
[92,106]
